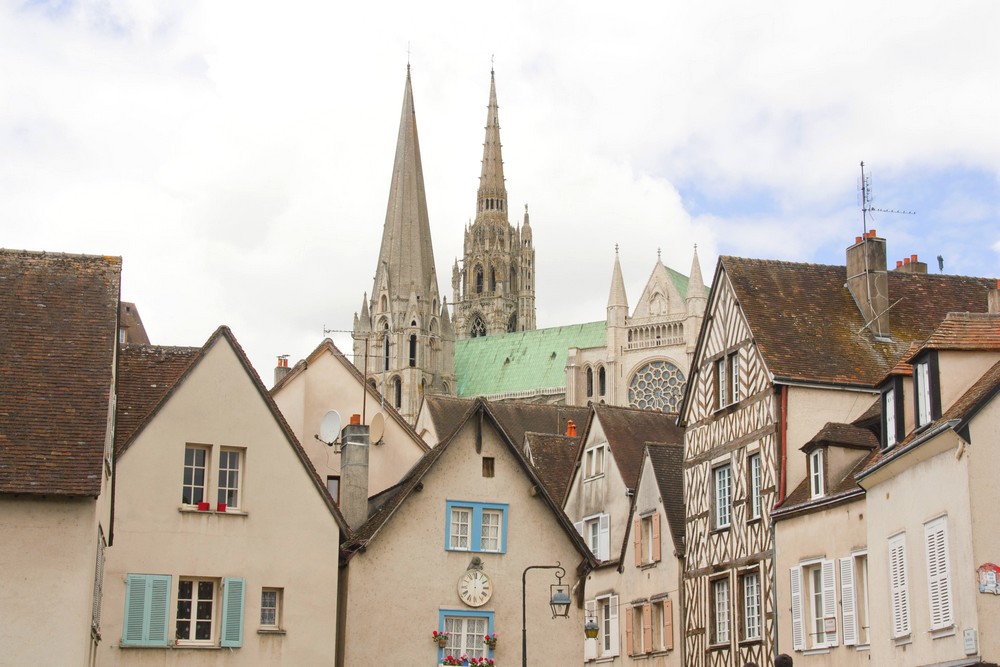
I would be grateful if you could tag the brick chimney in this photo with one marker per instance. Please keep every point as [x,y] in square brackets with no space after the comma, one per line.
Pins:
[910,265]
[993,300]
[868,282]
[282,369]
[354,472]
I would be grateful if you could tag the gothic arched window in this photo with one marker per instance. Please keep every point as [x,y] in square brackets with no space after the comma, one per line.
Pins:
[478,327]
[590,382]
[493,279]
[512,323]
[601,382]
[479,280]
[385,346]
[413,350]
[658,385]
[397,392]
[512,285]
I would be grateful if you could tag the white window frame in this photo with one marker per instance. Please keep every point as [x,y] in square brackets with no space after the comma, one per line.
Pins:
[491,543]
[230,478]
[750,590]
[646,540]
[595,460]
[814,603]
[756,482]
[189,499]
[596,527]
[817,487]
[465,635]
[854,612]
[922,390]
[721,383]
[608,639]
[638,639]
[889,416]
[270,609]
[192,619]
[939,595]
[733,361]
[899,594]
[662,631]
[456,537]
[722,485]
[721,615]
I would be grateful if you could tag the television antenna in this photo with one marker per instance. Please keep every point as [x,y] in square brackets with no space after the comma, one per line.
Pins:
[865,195]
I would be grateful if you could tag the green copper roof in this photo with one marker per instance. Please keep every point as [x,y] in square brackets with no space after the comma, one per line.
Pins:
[521,361]
[680,281]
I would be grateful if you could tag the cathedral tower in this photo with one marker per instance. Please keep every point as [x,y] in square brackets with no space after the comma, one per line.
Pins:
[403,337]
[494,287]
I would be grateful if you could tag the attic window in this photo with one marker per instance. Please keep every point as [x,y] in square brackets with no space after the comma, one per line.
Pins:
[816,486]
[488,466]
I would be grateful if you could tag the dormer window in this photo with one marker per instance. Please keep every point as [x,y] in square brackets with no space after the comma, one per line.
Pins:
[925,390]
[816,486]
[593,461]
[892,413]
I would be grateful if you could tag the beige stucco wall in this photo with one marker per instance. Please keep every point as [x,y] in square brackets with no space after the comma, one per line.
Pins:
[47,561]
[406,576]
[327,385]
[831,534]
[900,499]
[286,536]
[958,370]
[809,409]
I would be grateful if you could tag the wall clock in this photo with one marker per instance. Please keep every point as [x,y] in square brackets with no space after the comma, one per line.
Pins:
[475,588]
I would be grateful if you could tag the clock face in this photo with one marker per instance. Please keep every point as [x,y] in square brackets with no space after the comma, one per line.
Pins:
[475,588]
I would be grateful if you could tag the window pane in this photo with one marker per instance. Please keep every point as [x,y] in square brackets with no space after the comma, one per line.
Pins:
[491,530]
[461,519]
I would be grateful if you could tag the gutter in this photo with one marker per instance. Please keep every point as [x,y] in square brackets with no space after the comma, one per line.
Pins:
[826,501]
[916,442]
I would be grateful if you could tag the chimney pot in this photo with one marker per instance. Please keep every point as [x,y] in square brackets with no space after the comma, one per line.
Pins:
[355,419]
[570,428]
[913,258]
[872,234]
[899,263]
[857,239]
[906,260]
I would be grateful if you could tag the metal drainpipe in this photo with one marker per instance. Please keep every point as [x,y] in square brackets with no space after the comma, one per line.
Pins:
[774,589]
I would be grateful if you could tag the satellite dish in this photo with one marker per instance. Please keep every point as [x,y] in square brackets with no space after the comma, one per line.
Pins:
[329,428]
[376,429]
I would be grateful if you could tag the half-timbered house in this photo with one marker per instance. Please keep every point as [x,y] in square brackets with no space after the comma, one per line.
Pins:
[784,349]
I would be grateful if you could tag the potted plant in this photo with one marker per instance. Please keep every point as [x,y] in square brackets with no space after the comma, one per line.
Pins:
[203,506]
[453,660]
[490,641]
[482,662]
[441,639]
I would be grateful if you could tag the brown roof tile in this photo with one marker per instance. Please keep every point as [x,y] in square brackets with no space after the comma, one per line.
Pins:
[808,328]
[554,459]
[627,431]
[842,435]
[516,417]
[668,464]
[965,331]
[58,332]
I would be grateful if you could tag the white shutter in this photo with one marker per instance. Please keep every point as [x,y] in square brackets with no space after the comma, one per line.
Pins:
[604,538]
[938,574]
[798,631]
[579,528]
[848,603]
[590,645]
[613,615]
[900,598]
[830,599]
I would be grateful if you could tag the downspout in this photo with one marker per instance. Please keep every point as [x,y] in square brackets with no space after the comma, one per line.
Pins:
[341,621]
[783,428]
[774,589]
[682,604]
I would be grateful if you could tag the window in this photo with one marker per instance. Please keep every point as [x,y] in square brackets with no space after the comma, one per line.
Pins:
[397,392]
[489,466]
[195,461]
[816,473]
[601,381]
[385,346]
[891,419]
[899,591]
[721,387]
[147,601]
[646,542]
[639,629]
[590,382]
[333,486]
[723,496]
[478,527]
[750,605]
[727,380]
[607,615]
[938,573]
[466,630]
[754,473]
[413,350]
[854,599]
[814,605]
[270,608]
[196,606]
[229,478]
[734,377]
[662,625]
[593,461]
[479,280]
[925,390]
[720,611]
[595,531]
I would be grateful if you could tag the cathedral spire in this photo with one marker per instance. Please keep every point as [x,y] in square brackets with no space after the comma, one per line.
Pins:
[696,294]
[406,254]
[617,295]
[492,194]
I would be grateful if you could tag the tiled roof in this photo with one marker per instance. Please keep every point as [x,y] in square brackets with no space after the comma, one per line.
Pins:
[628,429]
[554,459]
[808,327]
[965,331]
[842,435]
[521,361]
[130,324]
[843,489]
[668,464]
[515,417]
[145,375]
[58,332]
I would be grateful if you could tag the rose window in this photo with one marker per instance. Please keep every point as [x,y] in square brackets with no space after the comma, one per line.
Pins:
[659,385]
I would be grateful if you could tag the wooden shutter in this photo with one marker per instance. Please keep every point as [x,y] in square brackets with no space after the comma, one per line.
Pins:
[147,601]
[590,645]
[233,590]
[798,629]
[628,631]
[829,576]
[938,574]
[604,537]
[900,599]
[656,537]
[848,603]
[615,641]
[647,628]
[668,625]
[637,541]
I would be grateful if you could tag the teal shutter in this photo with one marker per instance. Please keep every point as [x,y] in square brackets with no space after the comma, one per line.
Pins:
[147,601]
[233,589]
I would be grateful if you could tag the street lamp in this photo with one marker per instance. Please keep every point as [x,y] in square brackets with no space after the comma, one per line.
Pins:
[559,601]
[590,629]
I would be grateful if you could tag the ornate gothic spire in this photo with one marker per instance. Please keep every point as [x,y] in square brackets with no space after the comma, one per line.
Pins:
[406,254]
[492,194]
[617,295]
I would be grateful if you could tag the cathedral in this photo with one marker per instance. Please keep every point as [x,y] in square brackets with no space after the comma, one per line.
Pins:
[408,343]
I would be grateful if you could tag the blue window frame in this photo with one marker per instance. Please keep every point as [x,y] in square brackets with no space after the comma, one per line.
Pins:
[476,527]
[465,629]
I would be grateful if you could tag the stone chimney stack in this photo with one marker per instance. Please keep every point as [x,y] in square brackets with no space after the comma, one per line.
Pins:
[282,369]
[910,265]
[354,472]
[993,300]
[868,282]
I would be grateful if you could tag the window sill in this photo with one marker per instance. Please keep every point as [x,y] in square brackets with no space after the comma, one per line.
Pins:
[270,631]
[592,478]
[718,647]
[172,645]
[941,633]
[649,566]
[723,529]
[863,647]
[750,642]
[902,641]
[816,651]
[188,509]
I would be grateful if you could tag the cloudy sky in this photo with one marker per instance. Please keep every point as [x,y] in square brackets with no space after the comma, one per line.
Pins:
[237,155]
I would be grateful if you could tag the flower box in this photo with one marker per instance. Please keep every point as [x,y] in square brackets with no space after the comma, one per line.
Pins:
[203,507]
[222,507]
